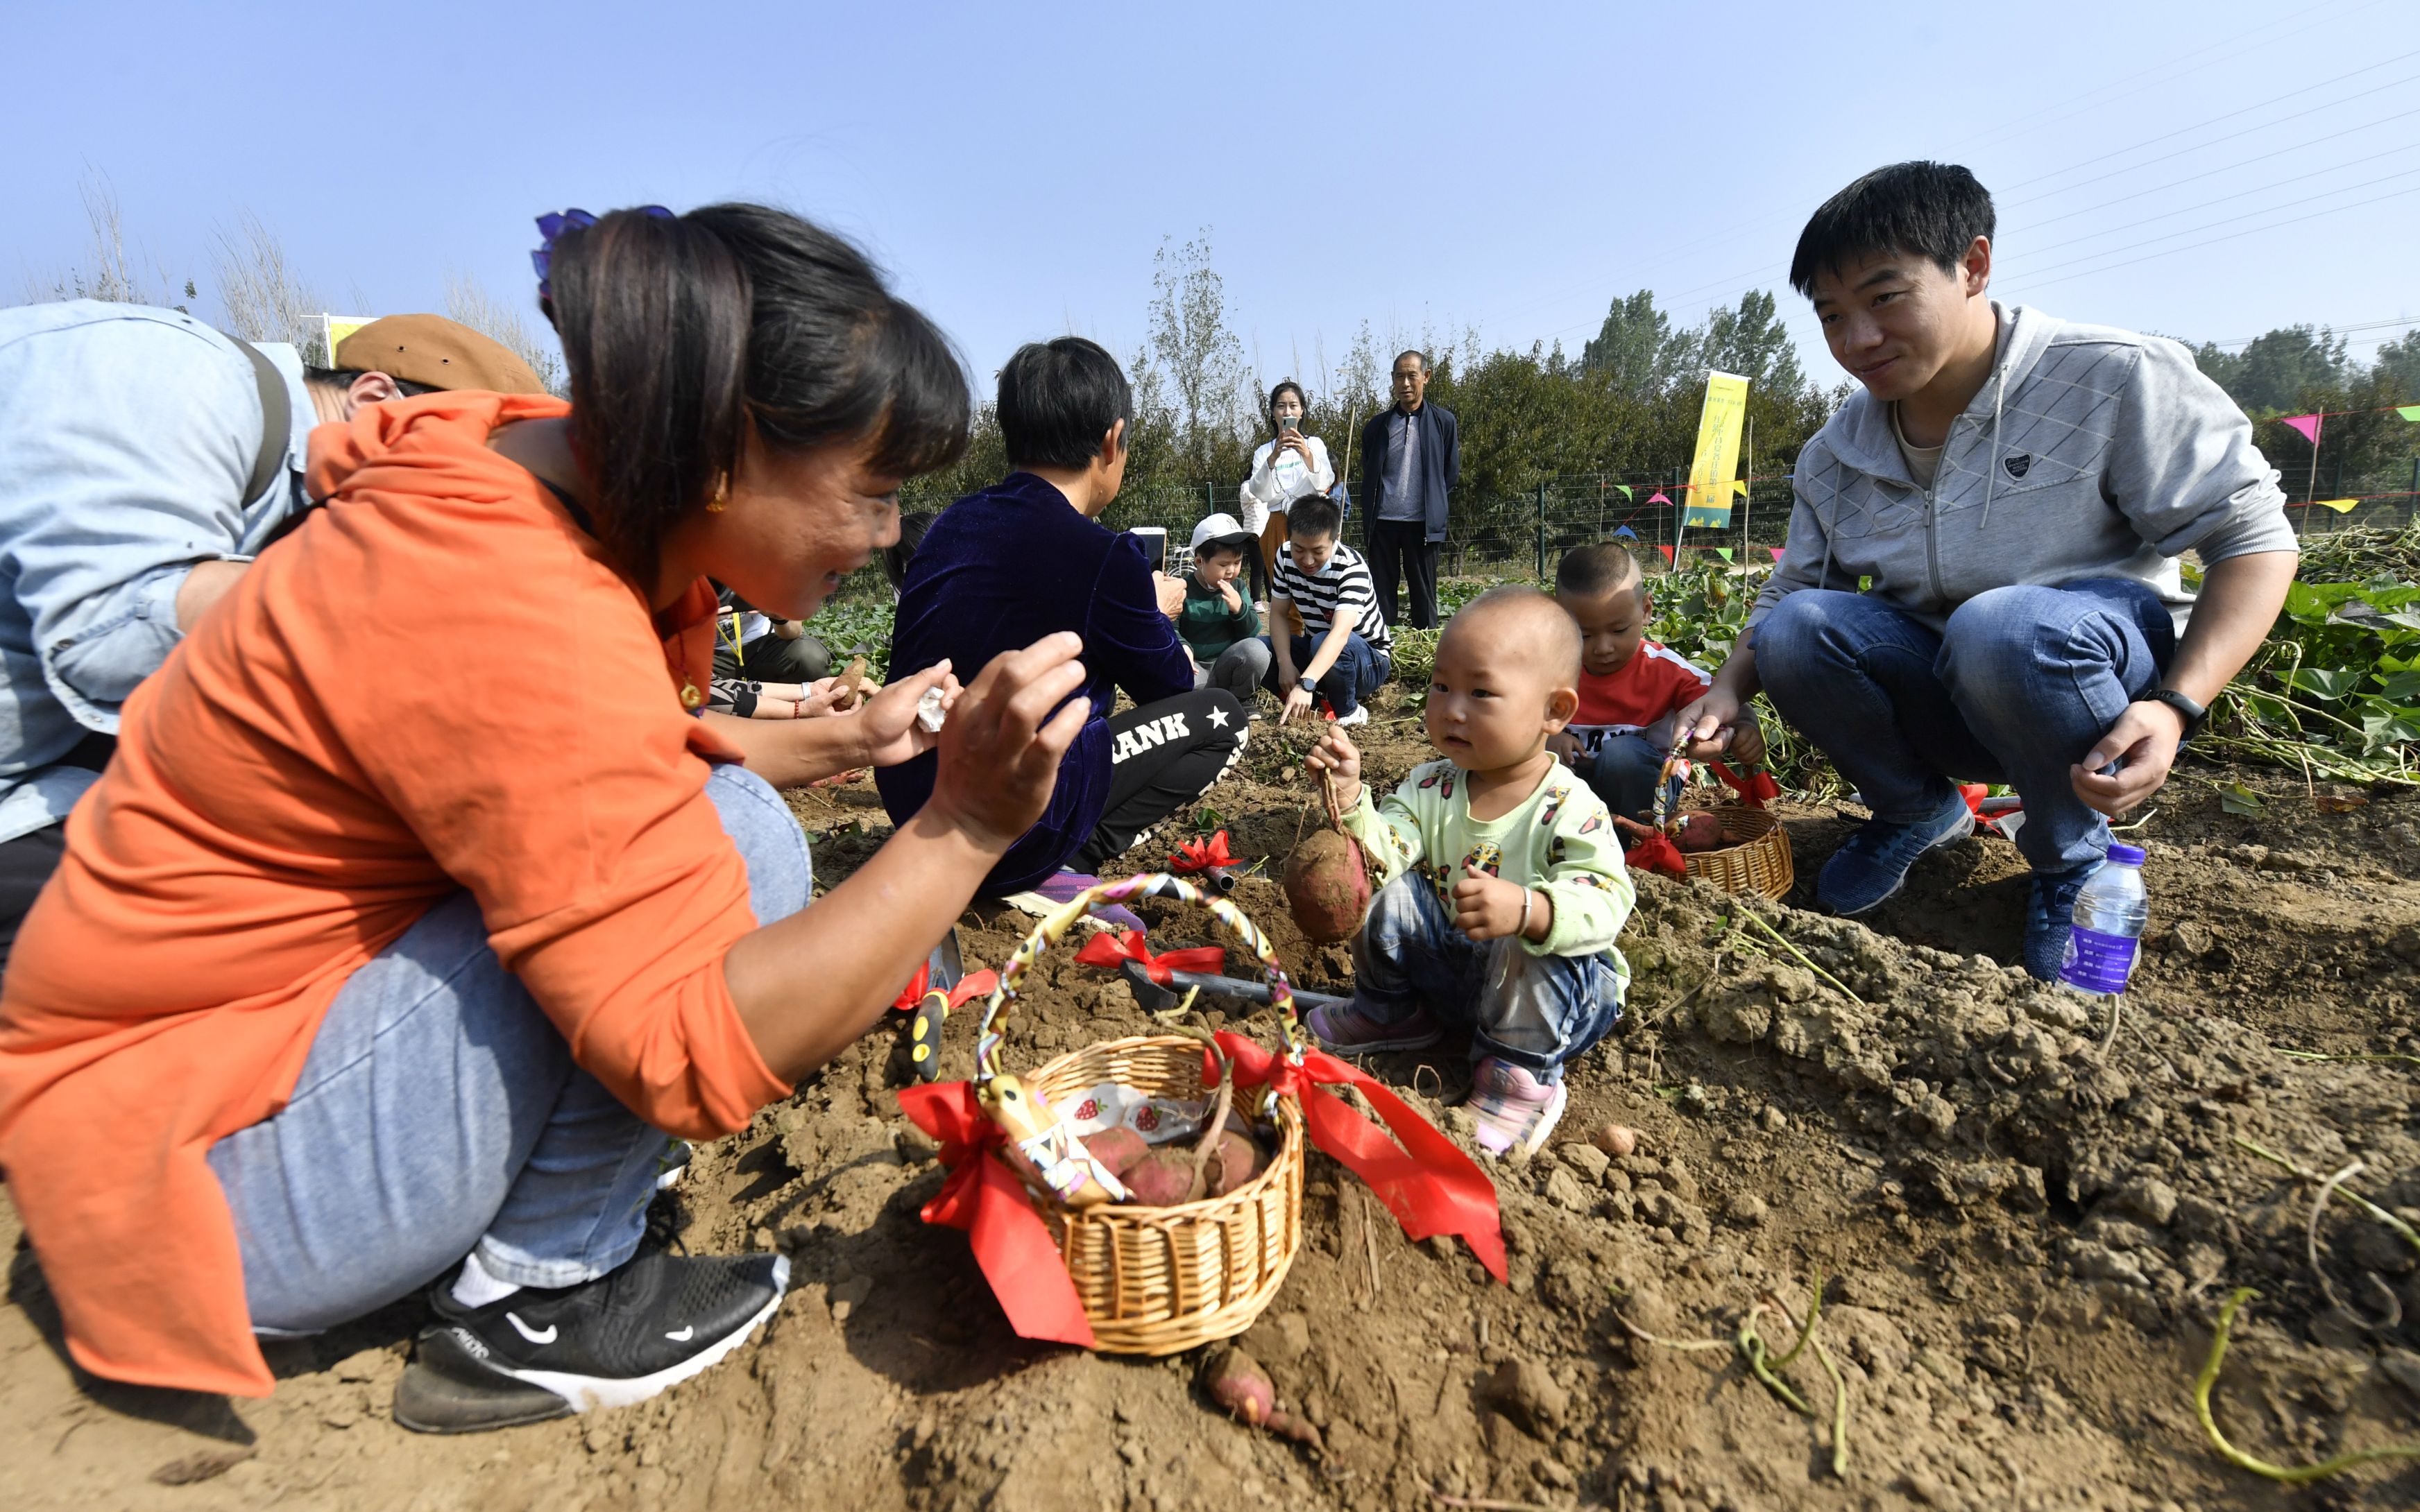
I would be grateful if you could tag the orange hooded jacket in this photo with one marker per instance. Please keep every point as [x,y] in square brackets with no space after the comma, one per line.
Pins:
[437,682]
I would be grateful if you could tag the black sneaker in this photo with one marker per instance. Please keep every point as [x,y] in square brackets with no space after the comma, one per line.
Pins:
[619,1339]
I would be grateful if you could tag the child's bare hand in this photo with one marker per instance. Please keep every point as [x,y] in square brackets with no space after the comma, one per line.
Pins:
[1335,753]
[1566,747]
[1490,908]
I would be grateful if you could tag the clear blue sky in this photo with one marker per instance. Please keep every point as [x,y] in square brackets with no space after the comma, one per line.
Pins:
[1509,168]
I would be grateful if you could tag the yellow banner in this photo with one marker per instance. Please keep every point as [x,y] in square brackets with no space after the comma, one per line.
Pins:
[338,327]
[1713,476]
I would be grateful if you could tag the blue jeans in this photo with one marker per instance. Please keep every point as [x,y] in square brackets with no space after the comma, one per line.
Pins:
[439,1111]
[1623,773]
[1534,1011]
[2017,688]
[1360,668]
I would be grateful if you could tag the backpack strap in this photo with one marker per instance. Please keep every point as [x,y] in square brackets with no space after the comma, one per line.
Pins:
[276,420]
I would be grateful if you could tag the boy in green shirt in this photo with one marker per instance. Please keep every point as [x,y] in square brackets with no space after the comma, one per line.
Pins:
[1503,883]
[1218,623]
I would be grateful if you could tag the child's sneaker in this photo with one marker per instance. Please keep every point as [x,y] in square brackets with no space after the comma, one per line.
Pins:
[1360,715]
[1349,1031]
[1515,1110]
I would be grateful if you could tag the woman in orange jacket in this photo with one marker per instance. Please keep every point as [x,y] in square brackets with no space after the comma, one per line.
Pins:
[366,971]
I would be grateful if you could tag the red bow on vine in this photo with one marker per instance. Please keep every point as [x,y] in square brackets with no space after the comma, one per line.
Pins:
[1653,850]
[1115,950]
[1199,855]
[1754,789]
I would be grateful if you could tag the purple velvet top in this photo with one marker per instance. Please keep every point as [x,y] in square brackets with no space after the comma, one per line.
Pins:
[998,571]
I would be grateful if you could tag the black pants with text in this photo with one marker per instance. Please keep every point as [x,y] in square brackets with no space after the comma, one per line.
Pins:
[1402,552]
[1162,756]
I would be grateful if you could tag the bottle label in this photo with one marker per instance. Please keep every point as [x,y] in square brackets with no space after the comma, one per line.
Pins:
[2098,962]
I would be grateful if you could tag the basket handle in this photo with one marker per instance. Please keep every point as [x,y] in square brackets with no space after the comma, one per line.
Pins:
[1676,763]
[1147,884]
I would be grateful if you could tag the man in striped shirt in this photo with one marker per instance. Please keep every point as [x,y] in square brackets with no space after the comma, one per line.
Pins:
[1345,651]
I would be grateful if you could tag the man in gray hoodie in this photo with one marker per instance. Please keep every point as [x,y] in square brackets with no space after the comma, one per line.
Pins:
[1982,579]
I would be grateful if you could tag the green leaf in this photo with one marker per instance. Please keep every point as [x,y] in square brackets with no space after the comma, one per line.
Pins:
[2398,685]
[2234,797]
[2329,683]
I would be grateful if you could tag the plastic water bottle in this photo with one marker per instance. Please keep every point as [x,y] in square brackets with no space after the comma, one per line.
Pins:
[2109,914]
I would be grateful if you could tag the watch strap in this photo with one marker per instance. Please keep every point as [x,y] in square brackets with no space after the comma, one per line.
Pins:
[2195,714]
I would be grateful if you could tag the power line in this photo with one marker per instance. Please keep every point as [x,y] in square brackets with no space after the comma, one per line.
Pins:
[2245,163]
[2035,252]
[2249,43]
[2115,173]
[2233,115]
[2231,237]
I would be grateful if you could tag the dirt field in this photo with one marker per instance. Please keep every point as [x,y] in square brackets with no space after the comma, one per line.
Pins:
[2025,1239]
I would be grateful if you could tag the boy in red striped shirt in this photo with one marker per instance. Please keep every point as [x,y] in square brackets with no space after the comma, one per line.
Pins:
[1630,688]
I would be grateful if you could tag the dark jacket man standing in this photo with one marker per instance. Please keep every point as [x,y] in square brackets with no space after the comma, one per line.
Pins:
[1411,458]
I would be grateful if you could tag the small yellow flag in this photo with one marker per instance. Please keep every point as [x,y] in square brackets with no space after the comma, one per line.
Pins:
[2342,506]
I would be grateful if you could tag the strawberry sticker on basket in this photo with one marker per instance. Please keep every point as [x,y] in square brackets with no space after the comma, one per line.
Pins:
[1110,1105]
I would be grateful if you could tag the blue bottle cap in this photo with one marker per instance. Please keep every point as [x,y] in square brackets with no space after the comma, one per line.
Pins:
[2126,855]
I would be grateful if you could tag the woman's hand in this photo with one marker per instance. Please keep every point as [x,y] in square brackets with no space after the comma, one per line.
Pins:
[1002,749]
[1715,731]
[1297,703]
[1335,753]
[1293,440]
[891,731]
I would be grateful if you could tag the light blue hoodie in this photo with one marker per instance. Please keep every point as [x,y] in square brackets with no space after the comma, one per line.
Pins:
[2088,453]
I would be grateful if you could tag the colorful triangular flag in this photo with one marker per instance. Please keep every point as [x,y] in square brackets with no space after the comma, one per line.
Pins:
[1625,533]
[1624,488]
[2342,506]
[1724,552]
[1775,550]
[2409,411]
[1740,485]
[1657,498]
[2307,424]
[1667,550]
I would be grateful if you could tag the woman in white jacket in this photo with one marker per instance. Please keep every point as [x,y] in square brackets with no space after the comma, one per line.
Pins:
[1285,468]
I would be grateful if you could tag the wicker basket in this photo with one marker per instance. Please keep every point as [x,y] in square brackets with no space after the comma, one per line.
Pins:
[1755,856]
[1159,1280]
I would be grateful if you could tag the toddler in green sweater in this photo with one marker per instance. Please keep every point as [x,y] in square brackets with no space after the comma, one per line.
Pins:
[1218,623]
[1504,884]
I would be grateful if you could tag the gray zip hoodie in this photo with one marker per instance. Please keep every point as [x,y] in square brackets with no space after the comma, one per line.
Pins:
[2088,453]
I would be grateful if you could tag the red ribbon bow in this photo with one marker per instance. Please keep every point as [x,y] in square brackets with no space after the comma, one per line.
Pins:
[1430,1185]
[983,1197]
[1754,789]
[1115,950]
[1652,850]
[1427,1182]
[1201,855]
[920,986]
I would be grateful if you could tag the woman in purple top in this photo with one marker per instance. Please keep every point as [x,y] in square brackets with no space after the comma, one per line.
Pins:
[1027,557]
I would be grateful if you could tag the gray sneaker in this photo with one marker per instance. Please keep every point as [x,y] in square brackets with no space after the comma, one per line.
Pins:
[1873,863]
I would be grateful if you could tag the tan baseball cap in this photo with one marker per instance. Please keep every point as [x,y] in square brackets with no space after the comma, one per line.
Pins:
[440,353]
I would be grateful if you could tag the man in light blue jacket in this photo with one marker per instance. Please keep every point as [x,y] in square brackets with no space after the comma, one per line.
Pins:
[145,459]
[2013,491]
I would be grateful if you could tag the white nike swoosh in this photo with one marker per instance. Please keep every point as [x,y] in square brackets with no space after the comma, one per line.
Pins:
[684,1336]
[533,1336]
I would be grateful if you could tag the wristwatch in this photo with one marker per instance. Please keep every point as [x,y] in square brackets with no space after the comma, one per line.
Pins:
[2195,715]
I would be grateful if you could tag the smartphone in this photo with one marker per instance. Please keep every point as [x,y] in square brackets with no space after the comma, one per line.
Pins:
[1154,544]
[1289,426]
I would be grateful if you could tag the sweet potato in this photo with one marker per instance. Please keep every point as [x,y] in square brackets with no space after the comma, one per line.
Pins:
[1237,1161]
[1117,1149]
[1326,888]
[1701,831]
[1162,1178]
[1236,1382]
